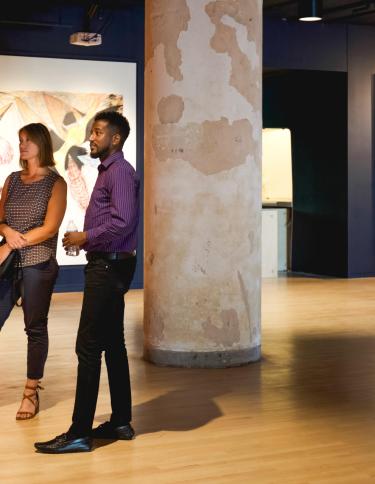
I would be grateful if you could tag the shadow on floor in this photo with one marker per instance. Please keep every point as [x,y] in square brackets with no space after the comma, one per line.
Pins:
[189,403]
[177,410]
[177,399]
[333,371]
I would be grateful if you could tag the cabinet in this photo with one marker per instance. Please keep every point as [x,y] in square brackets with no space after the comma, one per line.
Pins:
[276,238]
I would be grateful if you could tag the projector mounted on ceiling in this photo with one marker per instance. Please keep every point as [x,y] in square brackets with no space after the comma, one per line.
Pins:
[85,39]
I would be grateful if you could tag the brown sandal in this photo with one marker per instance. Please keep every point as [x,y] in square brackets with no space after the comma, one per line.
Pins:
[27,415]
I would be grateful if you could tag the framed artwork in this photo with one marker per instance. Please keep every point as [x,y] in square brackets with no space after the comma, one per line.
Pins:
[68,114]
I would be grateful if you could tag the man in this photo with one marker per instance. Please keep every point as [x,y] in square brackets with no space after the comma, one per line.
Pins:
[110,239]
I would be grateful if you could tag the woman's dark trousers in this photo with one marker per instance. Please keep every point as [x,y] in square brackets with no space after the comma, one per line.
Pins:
[35,288]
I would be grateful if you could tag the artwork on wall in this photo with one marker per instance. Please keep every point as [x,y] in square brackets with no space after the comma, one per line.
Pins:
[79,84]
[68,116]
[277,183]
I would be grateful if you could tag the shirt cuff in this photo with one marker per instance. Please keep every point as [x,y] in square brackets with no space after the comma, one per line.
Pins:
[90,234]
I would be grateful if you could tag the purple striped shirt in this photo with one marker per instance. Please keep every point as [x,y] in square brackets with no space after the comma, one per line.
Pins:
[112,217]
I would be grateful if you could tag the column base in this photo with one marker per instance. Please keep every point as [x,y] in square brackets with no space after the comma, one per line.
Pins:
[202,359]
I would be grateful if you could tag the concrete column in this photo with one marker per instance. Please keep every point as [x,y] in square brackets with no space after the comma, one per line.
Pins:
[203,126]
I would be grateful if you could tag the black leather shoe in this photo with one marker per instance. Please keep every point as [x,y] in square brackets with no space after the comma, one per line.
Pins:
[107,430]
[64,443]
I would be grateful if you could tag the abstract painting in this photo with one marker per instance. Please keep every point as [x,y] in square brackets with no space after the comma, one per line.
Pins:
[68,116]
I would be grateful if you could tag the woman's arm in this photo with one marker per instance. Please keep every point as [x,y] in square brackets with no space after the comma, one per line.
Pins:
[4,194]
[54,216]
[15,239]
[5,250]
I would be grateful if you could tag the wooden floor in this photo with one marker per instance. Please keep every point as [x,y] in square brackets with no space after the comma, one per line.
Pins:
[304,414]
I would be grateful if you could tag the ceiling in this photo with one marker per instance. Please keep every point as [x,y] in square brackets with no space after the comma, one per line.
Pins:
[62,13]
[343,11]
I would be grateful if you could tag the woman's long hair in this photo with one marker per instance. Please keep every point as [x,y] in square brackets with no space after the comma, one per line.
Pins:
[39,135]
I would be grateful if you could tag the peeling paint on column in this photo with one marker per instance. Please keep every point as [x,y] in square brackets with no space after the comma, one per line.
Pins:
[210,147]
[229,332]
[169,19]
[170,109]
[244,76]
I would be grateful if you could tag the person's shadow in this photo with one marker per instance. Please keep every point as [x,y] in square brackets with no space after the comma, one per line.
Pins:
[176,410]
[182,409]
[189,403]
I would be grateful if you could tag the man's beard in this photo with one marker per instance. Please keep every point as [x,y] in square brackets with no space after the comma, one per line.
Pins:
[102,154]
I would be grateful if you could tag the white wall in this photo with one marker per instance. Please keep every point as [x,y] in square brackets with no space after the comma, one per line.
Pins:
[80,76]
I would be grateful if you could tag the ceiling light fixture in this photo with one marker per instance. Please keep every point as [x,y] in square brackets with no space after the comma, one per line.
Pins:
[310,10]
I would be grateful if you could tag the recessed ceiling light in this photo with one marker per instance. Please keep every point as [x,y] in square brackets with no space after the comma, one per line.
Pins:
[310,10]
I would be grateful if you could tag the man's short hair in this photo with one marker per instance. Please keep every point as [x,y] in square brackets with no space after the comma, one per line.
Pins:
[116,121]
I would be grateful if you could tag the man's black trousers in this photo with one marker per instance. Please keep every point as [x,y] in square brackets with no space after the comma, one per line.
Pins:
[101,329]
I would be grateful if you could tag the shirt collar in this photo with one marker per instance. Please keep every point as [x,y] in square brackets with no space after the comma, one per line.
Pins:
[117,155]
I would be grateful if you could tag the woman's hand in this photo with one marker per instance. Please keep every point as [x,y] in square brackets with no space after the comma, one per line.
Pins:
[14,239]
[5,250]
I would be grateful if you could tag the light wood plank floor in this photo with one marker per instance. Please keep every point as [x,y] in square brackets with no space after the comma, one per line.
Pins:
[304,414]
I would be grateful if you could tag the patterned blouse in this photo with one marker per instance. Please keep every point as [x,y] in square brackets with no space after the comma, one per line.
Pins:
[26,208]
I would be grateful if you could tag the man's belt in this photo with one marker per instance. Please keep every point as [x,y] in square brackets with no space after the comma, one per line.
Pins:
[90,256]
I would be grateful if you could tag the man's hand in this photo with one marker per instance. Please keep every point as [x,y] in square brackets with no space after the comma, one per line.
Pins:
[74,238]
[14,239]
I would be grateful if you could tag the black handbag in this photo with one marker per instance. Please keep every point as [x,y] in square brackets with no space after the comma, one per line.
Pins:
[8,267]
[11,270]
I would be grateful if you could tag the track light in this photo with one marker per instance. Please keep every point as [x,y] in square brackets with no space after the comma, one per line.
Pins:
[310,10]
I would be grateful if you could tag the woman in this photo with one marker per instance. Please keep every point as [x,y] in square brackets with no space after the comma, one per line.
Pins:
[32,207]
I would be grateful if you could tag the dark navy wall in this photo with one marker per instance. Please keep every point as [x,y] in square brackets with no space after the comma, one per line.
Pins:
[310,46]
[361,212]
[312,104]
[123,41]
[309,95]
[328,47]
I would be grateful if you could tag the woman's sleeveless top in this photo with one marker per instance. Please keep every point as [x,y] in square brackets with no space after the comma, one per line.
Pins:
[25,209]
